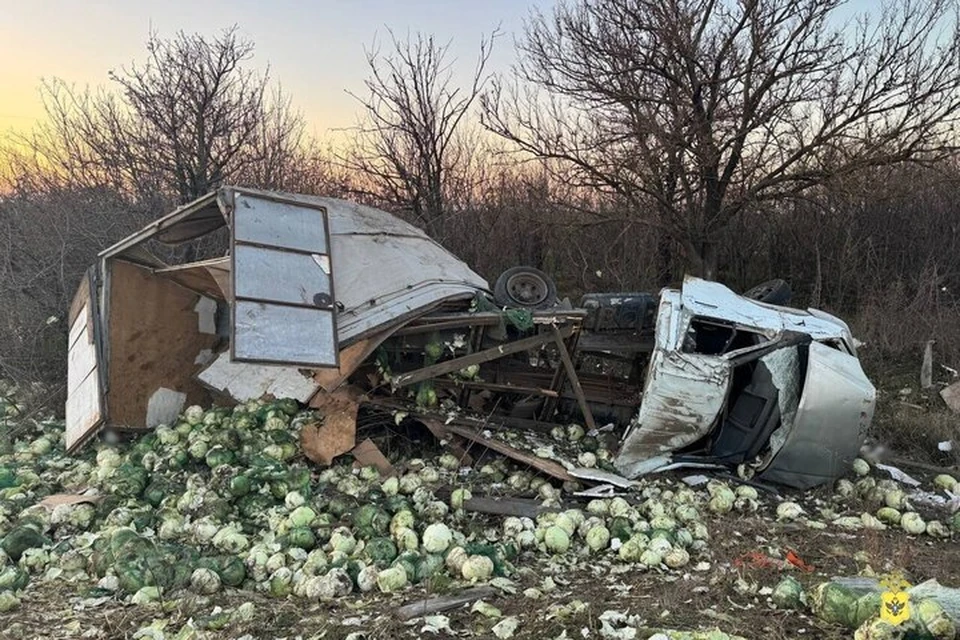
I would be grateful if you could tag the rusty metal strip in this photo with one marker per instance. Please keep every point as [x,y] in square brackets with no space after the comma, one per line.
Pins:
[501,387]
[487,355]
[549,467]
[574,380]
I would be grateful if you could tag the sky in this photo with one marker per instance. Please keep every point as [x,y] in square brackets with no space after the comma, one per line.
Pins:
[315,48]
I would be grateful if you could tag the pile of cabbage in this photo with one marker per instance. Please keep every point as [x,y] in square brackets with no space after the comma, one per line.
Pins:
[869,503]
[223,498]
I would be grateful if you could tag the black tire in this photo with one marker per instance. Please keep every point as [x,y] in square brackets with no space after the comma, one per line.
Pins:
[772,292]
[525,287]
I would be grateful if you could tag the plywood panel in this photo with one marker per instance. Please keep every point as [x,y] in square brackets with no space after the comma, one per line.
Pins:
[83,410]
[199,276]
[154,342]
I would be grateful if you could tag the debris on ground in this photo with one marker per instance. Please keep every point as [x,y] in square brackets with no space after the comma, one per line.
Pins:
[218,519]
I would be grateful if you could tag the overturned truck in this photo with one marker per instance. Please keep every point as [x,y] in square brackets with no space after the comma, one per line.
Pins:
[244,294]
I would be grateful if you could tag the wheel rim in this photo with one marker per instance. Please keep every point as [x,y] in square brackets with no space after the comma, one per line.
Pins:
[527,288]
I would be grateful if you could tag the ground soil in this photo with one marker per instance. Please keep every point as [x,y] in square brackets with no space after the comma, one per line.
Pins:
[727,595]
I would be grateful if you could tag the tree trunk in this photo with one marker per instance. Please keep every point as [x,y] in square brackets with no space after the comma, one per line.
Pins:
[708,253]
[702,256]
[663,261]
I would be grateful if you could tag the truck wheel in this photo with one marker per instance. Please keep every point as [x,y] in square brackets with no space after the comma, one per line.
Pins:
[525,287]
[772,292]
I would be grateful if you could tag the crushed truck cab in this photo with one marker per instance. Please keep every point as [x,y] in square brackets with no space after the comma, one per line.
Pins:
[736,381]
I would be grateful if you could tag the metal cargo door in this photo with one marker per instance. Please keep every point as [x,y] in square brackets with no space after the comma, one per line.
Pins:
[283,306]
[84,407]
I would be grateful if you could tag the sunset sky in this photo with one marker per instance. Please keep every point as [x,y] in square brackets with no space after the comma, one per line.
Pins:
[314,47]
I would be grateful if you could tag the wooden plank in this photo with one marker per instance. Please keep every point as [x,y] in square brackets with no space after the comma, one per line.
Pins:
[350,359]
[487,355]
[443,603]
[413,329]
[80,299]
[556,384]
[440,432]
[244,381]
[221,275]
[57,499]
[574,380]
[198,276]
[81,360]
[79,325]
[84,410]
[154,339]
[549,467]
[367,454]
[506,506]
[493,317]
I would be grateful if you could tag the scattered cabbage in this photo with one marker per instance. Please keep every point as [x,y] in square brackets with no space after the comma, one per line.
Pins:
[946,482]
[367,578]
[391,579]
[789,511]
[204,581]
[844,488]
[861,467]
[676,558]
[598,538]
[458,497]
[912,523]
[788,594]
[436,538]
[895,499]
[888,515]
[449,462]
[476,568]
[934,619]
[8,601]
[281,582]
[556,539]
[456,557]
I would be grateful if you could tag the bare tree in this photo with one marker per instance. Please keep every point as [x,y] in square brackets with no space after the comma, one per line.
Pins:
[406,141]
[697,110]
[181,122]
